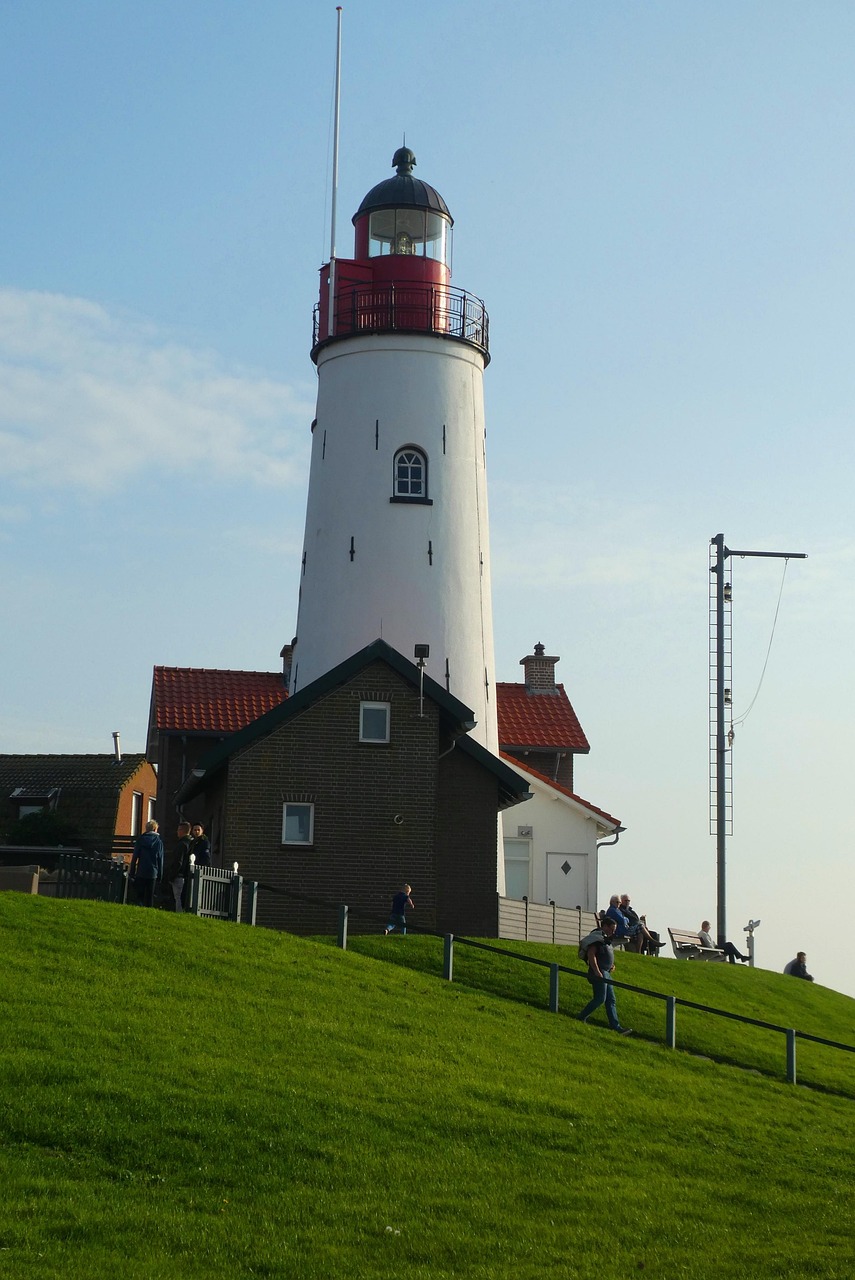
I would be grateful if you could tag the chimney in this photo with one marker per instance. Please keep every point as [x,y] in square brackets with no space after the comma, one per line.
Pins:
[286,653]
[539,671]
[117,747]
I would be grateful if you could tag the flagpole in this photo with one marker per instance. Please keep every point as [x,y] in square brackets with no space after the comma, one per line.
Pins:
[337,115]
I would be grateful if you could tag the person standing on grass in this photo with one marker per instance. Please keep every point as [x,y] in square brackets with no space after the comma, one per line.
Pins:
[146,868]
[179,866]
[201,846]
[401,904]
[601,964]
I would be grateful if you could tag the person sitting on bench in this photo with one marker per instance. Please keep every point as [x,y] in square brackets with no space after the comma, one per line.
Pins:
[644,940]
[729,949]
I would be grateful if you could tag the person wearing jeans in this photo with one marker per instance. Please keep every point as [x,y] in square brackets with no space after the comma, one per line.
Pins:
[601,963]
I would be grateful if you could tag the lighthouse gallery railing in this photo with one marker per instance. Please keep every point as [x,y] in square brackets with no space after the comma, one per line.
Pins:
[411,308]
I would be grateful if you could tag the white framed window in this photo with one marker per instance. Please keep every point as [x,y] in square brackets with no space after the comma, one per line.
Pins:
[150,809]
[374,721]
[410,478]
[517,863]
[298,823]
[136,813]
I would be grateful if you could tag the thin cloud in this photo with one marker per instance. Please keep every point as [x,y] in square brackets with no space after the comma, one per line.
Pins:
[90,399]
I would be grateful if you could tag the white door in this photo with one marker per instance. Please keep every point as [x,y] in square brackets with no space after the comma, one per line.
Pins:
[566,879]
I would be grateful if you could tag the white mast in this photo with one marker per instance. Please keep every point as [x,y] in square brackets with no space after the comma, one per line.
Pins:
[337,115]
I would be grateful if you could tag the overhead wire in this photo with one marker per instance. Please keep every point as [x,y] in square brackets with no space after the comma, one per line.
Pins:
[741,719]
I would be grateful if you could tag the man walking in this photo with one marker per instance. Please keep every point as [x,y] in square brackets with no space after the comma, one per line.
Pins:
[600,955]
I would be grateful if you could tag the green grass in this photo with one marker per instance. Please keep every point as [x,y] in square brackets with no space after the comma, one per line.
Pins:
[753,993]
[183,1098]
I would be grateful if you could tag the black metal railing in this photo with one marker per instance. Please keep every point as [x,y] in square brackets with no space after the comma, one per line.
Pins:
[411,308]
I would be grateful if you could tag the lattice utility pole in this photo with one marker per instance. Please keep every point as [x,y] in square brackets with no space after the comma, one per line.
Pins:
[721,697]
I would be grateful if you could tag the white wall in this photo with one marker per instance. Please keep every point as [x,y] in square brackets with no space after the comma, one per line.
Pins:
[419,574]
[559,826]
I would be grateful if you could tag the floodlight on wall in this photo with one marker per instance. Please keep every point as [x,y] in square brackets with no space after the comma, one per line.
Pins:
[421,652]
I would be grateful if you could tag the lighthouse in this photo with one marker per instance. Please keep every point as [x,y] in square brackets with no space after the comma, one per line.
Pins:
[396,542]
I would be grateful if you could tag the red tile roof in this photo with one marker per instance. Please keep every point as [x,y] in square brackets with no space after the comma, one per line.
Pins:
[204,700]
[556,786]
[544,720]
[197,700]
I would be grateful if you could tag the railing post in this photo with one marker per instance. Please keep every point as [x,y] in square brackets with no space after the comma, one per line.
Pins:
[671,1022]
[552,904]
[195,884]
[553,988]
[791,1057]
[341,940]
[525,900]
[235,897]
[253,901]
[448,957]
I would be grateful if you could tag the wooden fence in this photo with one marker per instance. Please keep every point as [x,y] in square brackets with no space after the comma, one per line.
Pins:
[524,921]
[80,877]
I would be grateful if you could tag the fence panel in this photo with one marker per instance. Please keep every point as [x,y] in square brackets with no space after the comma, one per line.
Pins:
[217,895]
[524,921]
[95,878]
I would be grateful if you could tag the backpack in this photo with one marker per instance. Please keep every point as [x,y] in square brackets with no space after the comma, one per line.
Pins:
[590,941]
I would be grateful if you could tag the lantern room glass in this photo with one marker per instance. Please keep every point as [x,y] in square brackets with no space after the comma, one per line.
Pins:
[414,232]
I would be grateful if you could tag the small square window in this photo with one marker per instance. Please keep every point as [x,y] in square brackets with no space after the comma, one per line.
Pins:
[374,722]
[298,822]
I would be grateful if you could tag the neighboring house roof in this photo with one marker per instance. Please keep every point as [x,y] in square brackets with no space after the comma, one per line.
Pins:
[85,790]
[41,773]
[199,700]
[605,818]
[202,700]
[458,719]
[538,720]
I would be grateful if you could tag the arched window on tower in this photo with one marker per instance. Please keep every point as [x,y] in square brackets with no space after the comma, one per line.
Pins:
[409,479]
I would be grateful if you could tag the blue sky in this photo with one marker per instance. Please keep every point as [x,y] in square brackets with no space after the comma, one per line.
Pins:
[656,203]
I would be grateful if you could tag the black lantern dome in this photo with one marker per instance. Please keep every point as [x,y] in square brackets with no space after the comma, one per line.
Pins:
[403,190]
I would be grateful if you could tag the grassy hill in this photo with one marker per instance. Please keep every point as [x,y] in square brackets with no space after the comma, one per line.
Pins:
[190,1099]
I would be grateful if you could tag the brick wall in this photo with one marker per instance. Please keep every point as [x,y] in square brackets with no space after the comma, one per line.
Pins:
[467,841]
[381,813]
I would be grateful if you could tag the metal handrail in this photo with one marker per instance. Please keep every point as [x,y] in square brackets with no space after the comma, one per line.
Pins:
[440,310]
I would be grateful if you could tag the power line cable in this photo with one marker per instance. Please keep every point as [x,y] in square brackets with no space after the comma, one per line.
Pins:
[741,719]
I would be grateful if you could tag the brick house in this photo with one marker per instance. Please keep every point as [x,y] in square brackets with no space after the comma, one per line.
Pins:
[100,802]
[551,846]
[362,780]
[192,710]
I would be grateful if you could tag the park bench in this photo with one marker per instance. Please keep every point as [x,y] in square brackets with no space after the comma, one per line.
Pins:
[687,946]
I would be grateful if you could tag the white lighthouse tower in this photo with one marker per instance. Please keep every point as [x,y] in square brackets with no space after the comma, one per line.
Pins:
[397,537]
